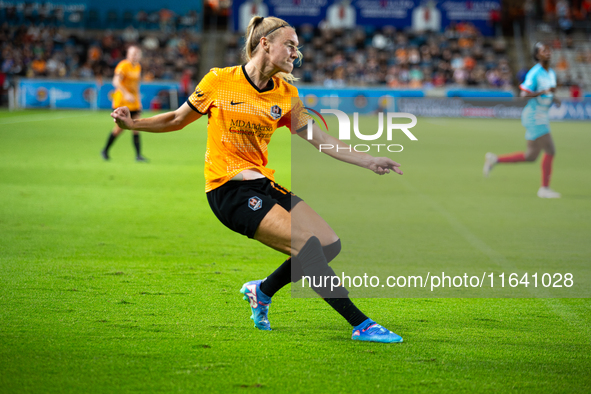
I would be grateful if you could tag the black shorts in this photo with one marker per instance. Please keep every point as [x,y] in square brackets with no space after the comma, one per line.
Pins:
[242,205]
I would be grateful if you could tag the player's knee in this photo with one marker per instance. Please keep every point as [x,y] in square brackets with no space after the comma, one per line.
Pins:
[306,255]
[531,156]
[331,251]
[315,269]
[299,238]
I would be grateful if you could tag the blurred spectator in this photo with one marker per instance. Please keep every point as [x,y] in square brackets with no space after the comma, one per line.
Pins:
[575,91]
[438,79]
[495,21]
[567,81]
[401,55]
[39,66]
[469,63]
[477,77]
[338,78]
[499,45]
[151,43]
[562,64]
[94,53]
[414,57]
[332,56]
[416,76]
[37,51]
[493,78]
[188,20]
[586,9]
[166,17]
[457,62]
[460,76]
[563,15]
[130,35]
[55,66]
[141,19]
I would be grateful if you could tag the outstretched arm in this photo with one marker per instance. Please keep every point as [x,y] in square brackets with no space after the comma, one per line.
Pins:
[379,165]
[162,123]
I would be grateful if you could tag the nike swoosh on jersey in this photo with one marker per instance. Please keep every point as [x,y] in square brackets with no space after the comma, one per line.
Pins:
[233,103]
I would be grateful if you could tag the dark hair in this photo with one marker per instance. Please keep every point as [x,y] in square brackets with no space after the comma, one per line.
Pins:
[537,48]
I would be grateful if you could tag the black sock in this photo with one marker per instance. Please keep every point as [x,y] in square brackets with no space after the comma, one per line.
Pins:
[314,264]
[347,309]
[279,278]
[136,143]
[110,141]
[293,273]
[331,251]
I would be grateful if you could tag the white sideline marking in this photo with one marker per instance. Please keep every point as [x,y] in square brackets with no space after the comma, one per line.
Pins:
[37,118]
[462,230]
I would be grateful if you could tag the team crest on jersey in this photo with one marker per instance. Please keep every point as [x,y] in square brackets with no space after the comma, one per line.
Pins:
[255,203]
[276,112]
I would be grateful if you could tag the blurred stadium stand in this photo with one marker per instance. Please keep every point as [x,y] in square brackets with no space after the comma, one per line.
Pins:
[85,39]
[386,57]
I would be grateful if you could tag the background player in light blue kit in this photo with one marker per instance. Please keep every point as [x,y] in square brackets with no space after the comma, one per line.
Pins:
[540,85]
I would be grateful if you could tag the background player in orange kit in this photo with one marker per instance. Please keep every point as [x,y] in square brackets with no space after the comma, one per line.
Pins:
[127,94]
[245,105]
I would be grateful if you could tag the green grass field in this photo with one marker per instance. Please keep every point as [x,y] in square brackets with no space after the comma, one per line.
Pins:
[116,277]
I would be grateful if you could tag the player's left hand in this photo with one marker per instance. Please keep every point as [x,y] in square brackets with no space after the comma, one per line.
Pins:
[557,102]
[383,165]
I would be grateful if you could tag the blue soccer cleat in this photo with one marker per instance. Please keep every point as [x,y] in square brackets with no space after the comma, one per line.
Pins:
[371,331]
[259,304]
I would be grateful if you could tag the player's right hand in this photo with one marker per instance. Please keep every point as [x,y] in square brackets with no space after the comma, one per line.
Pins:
[122,117]
[129,97]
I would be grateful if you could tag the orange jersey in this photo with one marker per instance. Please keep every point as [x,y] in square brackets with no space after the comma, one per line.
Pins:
[241,121]
[130,79]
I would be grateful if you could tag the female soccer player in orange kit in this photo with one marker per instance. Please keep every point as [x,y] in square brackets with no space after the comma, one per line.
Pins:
[245,105]
[127,94]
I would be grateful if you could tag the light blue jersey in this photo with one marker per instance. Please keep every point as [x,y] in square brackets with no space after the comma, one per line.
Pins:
[535,116]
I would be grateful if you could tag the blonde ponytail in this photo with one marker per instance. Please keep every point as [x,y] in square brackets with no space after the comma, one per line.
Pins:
[260,27]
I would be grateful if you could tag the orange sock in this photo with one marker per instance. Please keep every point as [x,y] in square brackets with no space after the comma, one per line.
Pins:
[546,169]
